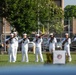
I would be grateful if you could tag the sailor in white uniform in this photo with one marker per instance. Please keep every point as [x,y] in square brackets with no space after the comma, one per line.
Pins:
[38,49]
[51,42]
[15,44]
[11,41]
[24,42]
[66,42]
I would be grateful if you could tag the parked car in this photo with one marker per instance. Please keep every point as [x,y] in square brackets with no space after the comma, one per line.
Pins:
[45,46]
[59,44]
[31,47]
[73,46]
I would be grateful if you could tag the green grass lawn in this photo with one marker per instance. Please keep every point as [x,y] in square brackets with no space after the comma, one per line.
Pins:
[4,60]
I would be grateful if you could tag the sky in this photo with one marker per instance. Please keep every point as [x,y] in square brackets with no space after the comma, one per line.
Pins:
[69,2]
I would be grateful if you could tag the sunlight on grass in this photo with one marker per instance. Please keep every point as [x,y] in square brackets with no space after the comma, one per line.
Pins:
[4,60]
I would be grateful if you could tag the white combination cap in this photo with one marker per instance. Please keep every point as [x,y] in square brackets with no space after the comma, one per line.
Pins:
[24,34]
[51,33]
[37,35]
[66,34]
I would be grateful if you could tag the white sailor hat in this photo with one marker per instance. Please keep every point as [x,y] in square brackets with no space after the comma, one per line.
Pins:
[15,32]
[37,35]
[24,34]
[12,34]
[51,33]
[66,34]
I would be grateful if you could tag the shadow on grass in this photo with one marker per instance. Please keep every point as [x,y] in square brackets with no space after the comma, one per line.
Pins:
[3,61]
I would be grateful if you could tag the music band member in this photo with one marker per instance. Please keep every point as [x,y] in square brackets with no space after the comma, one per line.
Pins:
[38,50]
[11,42]
[24,42]
[66,42]
[15,44]
[52,41]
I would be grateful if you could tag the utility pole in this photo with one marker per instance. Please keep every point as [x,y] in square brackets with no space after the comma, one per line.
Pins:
[38,18]
[48,19]
[5,34]
[69,27]
[1,29]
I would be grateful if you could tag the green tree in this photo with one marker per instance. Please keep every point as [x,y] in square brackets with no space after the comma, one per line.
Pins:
[70,11]
[21,16]
[53,16]
[25,14]
[2,8]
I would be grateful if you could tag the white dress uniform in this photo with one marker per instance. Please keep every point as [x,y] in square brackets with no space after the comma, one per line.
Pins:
[11,50]
[15,44]
[38,50]
[67,47]
[25,50]
[15,47]
[52,44]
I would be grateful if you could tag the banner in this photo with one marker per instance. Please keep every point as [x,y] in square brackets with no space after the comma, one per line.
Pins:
[59,57]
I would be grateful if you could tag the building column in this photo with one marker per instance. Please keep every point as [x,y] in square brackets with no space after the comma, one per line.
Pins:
[74,26]
[62,4]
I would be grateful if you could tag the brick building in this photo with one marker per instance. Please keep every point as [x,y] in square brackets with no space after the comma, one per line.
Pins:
[60,3]
[5,28]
